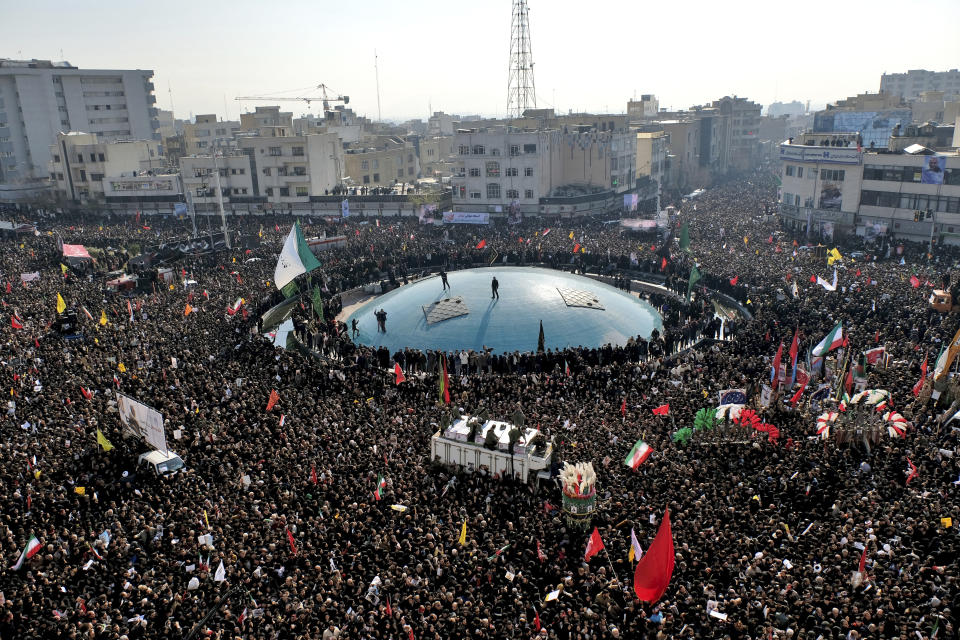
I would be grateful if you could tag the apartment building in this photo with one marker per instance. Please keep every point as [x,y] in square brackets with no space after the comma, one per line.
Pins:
[831,187]
[543,172]
[206,132]
[40,98]
[437,155]
[79,163]
[291,169]
[381,161]
[913,83]
[644,108]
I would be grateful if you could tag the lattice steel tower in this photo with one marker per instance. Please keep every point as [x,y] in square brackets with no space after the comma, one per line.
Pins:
[521,90]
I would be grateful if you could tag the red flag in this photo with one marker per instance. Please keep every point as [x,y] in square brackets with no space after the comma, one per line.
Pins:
[796,396]
[446,383]
[9,287]
[541,556]
[914,281]
[876,337]
[794,347]
[913,471]
[662,410]
[862,567]
[733,281]
[276,227]
[594,545]
[86,393]
[399,373]
[576,248]
[313,474]
[623,407]
[293,545]
[858,272]
[848,382]
[652,575]
[536,619]
[663,264]
[15,322]
[776,365]
[770,239]
[813,279]
[389,608]
[923,376]
[482,244]
[274,397]
[410,633]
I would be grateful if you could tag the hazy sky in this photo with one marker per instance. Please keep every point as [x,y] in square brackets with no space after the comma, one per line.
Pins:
[453,56]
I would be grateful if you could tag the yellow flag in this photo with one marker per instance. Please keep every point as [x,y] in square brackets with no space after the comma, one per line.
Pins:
[80,491]
[63,268]
[103,318]
[103,442]
[206,518]
[122,368]
[61,305]
[571,235]
[746,240]
[463,534]
[171,287]
[631,554]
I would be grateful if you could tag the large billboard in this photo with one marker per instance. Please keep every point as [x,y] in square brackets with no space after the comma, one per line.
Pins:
[465,217]
[142,421]
[932,169]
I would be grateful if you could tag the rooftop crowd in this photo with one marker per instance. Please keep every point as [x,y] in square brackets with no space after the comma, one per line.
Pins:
[765,533]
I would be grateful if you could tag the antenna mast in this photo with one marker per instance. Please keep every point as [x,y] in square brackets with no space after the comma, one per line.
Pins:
[521,90]
[376,73]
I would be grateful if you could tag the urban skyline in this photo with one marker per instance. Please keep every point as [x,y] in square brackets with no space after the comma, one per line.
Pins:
[419,72]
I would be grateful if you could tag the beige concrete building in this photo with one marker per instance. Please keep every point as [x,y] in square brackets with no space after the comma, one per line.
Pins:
[437,156]
[79,163]
[543,172]
[381,161]
[200,180]
[289,169]
[643,109]
[267,121]
[206,132]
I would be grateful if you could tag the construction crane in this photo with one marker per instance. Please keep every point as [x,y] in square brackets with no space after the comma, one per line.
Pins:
[325,97]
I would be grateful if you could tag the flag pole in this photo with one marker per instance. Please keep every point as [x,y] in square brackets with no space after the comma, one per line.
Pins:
[614,572]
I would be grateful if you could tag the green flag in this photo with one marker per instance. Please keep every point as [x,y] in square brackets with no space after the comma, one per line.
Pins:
[685,238]
[694,279]
[290,289]
[317,302]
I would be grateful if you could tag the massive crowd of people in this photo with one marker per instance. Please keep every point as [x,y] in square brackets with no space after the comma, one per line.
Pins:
[312,545]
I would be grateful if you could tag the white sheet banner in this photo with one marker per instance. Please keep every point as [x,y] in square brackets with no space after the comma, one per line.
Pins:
[465,217]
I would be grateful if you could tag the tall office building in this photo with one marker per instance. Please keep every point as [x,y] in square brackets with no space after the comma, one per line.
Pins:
[40,98]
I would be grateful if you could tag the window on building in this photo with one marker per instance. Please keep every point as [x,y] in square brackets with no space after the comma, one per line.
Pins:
[298,151]
[514,149]
[400,173]
[80,158]
[494,152]
[223,172]
[833,175]
[479,150]
[56,158]
[475,195]
[529,148]
[429,152]
[301,191]
[461,190]
[528,193]
[364,165]
[464,150]
[511,172]
[788,171]
[83,175]
[409,171]
[269,192]
[493,169]
[613,163]
[96,177]
[474,172]
[275,151]
[376,163]
[281,171]
[284,192]
[799,172]
[299,171]
[376,177]
[528,172]
[266,171]
[513,194]
[366,179]
[493,190]
[409,157]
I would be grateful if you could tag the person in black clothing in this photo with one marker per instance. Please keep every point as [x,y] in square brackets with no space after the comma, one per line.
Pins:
[443,279]
[354,326]
[494,289]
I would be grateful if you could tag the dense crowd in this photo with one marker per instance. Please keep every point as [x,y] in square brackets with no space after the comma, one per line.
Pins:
[311,545]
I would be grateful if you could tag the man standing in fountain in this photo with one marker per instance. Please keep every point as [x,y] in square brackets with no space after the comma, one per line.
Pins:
[494,289]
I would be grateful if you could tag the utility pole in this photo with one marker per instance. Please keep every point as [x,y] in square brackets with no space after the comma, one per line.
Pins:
[223,216]
[376,73]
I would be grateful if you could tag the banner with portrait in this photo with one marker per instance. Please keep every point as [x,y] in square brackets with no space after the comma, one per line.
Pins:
[932,169]
[142,421]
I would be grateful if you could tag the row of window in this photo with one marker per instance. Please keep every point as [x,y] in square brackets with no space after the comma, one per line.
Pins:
[493,193]
[481,150]
[278,151]
[376,176]
[284,192]
[892,173]
[365,164]
[493,171]
[94,157]
[915,201]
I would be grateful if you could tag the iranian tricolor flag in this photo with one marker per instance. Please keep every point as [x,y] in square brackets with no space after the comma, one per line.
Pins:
[832,340]
[640,452]
[32,548]
[381,484]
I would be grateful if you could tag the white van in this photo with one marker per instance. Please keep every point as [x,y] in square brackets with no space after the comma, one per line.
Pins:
[161,463]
